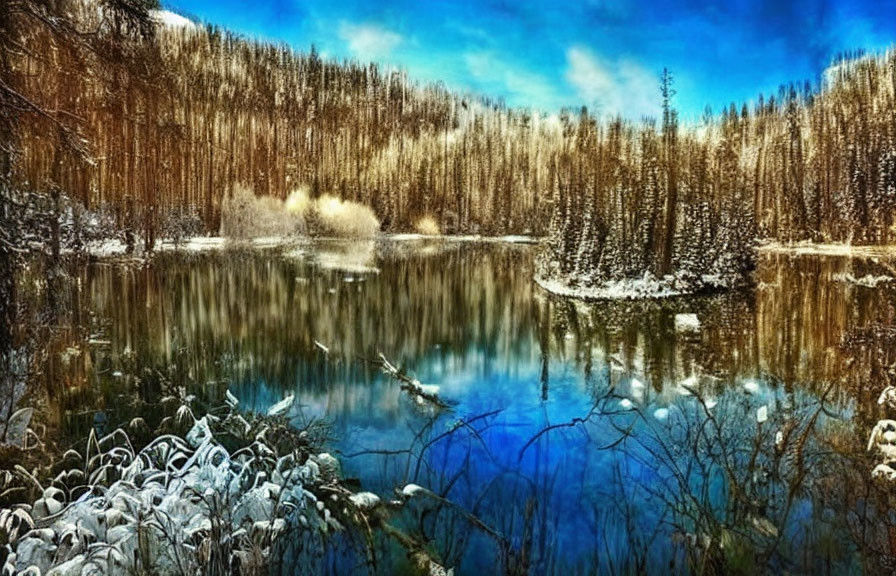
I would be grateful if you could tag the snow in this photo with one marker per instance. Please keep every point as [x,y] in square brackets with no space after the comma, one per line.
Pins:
[172,20]
[354,258]
[762,414]
[811,248]
[328,463]
[626,404]
[197,244]
[661,413]
[867,281]
[365,500]
[627,289]
[155,496]
[751,387]
[888,397]
[507,239]
[637,388]
[885,472]
[113,248]
[281,407]
[687,386]
[106,248]
[428,389]
[411,490]
[883,436]
[687,323]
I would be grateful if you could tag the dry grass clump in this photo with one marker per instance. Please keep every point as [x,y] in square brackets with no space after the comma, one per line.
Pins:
[343,218]
[245,215]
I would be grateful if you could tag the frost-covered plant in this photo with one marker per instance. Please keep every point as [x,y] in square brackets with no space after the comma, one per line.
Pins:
[183,503]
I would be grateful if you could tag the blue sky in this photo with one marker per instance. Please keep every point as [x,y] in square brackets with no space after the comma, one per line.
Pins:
[606,54]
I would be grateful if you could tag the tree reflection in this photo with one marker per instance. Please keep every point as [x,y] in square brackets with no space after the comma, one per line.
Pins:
[585,438]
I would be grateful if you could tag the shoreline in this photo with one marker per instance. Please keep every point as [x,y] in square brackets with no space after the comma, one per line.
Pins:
[115,248]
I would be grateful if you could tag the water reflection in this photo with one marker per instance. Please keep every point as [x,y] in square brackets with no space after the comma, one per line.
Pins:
[602,437]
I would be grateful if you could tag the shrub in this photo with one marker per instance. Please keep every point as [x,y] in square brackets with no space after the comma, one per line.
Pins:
[428,226]
[245,215]
[344,219]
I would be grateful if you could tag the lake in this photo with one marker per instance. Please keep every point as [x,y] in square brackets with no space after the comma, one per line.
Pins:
[612,437]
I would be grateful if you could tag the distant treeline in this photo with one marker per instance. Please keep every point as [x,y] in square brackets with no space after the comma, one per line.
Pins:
[194,111]
[806,164]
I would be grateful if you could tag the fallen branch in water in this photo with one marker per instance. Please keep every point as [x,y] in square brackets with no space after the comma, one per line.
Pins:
[420,391]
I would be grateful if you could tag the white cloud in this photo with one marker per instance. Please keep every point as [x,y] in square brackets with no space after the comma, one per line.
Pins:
[369,41]
[168,18]
[520,87]
[622,87]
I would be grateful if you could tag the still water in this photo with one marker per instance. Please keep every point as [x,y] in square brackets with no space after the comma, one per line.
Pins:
[612,437]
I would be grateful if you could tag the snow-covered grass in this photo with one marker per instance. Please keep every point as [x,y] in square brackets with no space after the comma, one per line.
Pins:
[332,253]
[183,504]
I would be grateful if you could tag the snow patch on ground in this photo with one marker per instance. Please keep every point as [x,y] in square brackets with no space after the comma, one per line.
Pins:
[626,289]
[811,248]
[114,248]
[508,239]
[106,248]
[197,244]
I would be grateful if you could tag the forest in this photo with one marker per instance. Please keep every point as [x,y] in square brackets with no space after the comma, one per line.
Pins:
[158,141]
